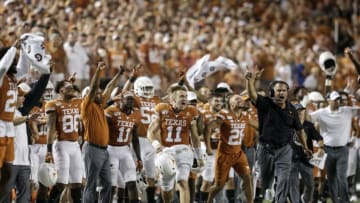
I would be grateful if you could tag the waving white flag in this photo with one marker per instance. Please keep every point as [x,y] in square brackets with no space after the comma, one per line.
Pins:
[204,68]
[33,52]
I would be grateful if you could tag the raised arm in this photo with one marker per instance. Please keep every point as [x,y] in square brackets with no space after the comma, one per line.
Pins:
[95,82]
[349,54]
[6,61]
[183,81]
[33,97]
[135,73]
[250,86]
[112,84]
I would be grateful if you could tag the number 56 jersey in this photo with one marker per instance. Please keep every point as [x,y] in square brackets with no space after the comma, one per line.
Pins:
[146,107]
[67,118]
[175,127]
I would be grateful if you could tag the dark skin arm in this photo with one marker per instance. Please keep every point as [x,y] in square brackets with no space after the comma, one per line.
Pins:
[136,146]
[350,55]
[112,84]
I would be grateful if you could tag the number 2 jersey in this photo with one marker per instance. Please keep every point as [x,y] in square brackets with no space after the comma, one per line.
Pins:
[67,118]
[121,125]
[232,131]
[146,107]
[175,127]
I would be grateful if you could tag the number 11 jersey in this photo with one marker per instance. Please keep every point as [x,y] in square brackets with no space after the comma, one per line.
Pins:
[175,127]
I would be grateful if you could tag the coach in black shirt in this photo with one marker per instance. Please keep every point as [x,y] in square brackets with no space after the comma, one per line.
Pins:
[300,161]
[278,122]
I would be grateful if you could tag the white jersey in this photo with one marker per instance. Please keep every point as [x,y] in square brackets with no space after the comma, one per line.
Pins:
[335,127]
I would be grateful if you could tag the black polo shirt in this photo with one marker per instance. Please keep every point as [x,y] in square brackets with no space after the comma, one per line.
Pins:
[276,125]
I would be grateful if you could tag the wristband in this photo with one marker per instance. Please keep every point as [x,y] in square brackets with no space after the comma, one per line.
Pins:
[49,148]
[197,153]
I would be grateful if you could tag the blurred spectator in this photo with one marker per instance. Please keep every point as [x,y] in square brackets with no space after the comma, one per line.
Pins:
[77,60]
[58,57]
[164,35]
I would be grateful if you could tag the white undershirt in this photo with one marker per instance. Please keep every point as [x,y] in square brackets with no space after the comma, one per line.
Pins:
[21,146]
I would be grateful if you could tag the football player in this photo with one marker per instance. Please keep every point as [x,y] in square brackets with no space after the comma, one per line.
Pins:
[145,101]
[8,90]
[123,120]
[211,139]
[173,131]
[63,123]
[39,137]
[233,126]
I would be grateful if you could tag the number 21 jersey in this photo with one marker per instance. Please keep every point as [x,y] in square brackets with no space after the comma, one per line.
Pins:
[232,131]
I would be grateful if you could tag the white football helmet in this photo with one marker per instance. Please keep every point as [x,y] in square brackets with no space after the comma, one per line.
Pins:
[47,174]
[327,62]
[49,91]
[141,186]
[144,87]
[165,164]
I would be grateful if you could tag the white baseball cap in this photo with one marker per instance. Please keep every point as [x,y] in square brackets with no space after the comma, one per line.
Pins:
[191,96]
[224,85]
[334,95]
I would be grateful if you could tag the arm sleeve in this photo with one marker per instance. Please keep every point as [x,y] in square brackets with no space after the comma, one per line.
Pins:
[32,98]
[314,133]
